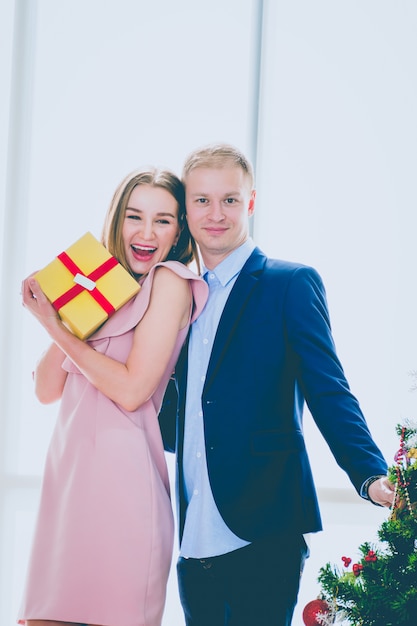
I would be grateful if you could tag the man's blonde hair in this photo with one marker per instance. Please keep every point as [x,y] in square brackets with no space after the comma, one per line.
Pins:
[218,155]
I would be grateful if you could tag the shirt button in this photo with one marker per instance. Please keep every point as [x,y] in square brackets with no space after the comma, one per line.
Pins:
[195,492]
[205,341]
[198,455]
[200,414]
[203,378]
[212,276]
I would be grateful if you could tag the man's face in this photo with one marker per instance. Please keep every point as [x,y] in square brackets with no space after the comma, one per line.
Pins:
[219,202]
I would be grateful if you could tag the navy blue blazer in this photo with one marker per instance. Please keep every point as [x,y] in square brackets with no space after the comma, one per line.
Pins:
[273,351]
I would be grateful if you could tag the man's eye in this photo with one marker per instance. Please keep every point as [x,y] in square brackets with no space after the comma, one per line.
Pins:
[202,200]
[230,200]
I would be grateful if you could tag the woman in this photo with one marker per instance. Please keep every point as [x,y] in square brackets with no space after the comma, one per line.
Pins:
[103,540]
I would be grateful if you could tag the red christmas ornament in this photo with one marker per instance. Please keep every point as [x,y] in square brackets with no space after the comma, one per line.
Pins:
[313,610]
[371,557]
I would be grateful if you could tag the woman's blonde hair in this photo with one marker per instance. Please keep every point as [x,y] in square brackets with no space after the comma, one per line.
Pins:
[112,234]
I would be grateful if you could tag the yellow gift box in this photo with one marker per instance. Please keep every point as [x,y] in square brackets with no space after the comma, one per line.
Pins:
[86,284]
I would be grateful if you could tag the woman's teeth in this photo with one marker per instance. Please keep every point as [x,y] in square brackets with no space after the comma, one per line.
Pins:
[143,250]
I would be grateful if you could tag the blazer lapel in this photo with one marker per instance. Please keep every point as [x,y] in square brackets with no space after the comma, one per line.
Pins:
[236,303]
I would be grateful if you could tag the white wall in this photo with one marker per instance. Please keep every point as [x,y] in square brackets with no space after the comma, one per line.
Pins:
[93,89]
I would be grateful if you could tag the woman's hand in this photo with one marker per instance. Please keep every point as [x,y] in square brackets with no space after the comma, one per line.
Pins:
[49,376]
[37,303]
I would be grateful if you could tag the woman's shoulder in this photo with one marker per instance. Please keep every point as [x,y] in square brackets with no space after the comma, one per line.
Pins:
[132,312]
[177,268]
[199,288]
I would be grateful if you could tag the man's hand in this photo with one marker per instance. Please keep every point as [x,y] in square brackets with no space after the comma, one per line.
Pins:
[381,492]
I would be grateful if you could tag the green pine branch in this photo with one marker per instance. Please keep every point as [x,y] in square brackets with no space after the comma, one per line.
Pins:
[380,589]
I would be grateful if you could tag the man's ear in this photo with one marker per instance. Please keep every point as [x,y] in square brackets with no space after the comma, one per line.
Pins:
[251,205]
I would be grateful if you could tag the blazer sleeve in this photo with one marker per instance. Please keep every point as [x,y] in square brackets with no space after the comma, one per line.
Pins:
[167,416]
[324,386]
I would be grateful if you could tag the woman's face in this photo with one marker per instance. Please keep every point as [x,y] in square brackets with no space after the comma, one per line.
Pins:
[150,227]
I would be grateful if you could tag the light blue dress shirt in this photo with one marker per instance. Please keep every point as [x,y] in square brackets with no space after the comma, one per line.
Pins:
[205,533]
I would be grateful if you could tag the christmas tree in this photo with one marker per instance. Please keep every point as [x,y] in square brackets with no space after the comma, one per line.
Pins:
[380,589]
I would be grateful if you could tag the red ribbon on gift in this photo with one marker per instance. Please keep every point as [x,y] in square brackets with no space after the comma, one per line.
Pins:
[100,271]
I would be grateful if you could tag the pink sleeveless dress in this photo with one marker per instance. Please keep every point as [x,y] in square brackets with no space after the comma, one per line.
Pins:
[102,544]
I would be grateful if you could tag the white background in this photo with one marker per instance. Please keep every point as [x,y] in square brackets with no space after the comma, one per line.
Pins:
[321,95]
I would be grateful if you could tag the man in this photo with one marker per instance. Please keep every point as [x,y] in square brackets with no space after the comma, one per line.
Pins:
[261,347]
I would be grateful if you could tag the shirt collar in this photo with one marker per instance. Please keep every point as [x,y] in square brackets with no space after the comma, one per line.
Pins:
[232,264]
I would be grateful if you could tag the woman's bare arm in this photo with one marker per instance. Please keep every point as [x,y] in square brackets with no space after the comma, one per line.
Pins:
[49,376]
[132,383]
